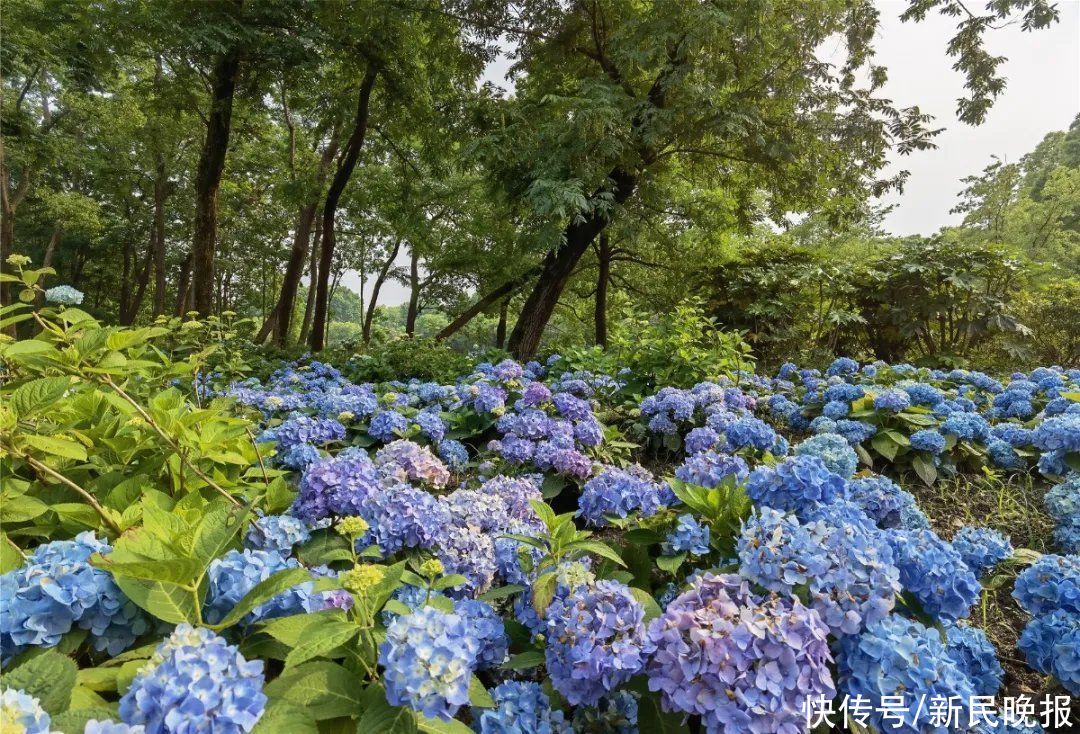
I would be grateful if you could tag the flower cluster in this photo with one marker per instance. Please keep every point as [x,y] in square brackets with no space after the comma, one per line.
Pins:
[709,469]
[195,681]
[740,661]
[521,708]
[974,654]
[596,641]
[1051,645]
[428,657]
[58,590]
[1063,504]
[237,572]
[21,713]
[795,481]
[618,492]
[1052,582]
[981,548]
[933,572]
[278,533]
[406,461]
[64,295]
[834,452]
[688,536]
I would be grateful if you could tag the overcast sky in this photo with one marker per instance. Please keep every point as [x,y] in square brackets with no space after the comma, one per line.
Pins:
[1043,94]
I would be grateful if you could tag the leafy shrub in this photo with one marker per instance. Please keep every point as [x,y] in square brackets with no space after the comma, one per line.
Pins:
[405,358]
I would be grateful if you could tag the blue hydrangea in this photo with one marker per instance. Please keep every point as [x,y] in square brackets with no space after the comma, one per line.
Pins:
[429,657]
[1051,645]
[1013,434]
[892,400]
[279,533]
[966,427]
[933,572]
[749,433]
[701,439]
[195,681]
[595,641]
[901,658]
[740,661]
[923,394]
[486,626]
[1004,456]
[237,572]
[879,498]
[1067,536]
[21,712]
[109,726]
[911,517]
[688,536]
[842,366]
[833,450]
[1060,432]
[981,548]
[847,566]
[57,590]
[1051,583]
[617,713]
[835,409]
[843,392]
[793,482]
[521,707]
[404,516]
[337,487]
[454,454]
[466,550]
[618,492]
[709,469]
[387,425]
[854,432]
[929,440]
[430,425]
[64,295]
[303,429]
[299,457]
[974,654]
[1063,500]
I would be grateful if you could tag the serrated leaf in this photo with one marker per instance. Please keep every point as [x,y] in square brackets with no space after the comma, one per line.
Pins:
[326,689]
[670,563]
[523,660]
[283,716]
[325,638]
[652,608]
[262,592]
[75,720]
[597,548]
[438,726]
[501,592]
[61,447]
[48,677]
[382,718]
[479,696]
[216,530]
[38,394]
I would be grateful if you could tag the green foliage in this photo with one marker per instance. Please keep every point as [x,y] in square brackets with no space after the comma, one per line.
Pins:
[405,358]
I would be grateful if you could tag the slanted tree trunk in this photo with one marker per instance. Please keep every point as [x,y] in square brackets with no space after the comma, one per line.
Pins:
[506,289]
[557,268]
[414,293]
[500,329]
[313,274]
[602,279]
[131,311]
[346,165]
[47,259]
[208,176]
[369,315]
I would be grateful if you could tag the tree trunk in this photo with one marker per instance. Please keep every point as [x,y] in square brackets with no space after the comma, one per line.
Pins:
[157,237]
[208,177]
[132,311]
[345,167]
[47,259]
[369,316]
[183,286]
[558,265]
[280,317]
[602,278]
[472,311]
[500,330]
[313,274]
[414,293]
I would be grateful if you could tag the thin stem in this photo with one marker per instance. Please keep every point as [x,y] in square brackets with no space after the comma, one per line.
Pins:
[64,480]
[16,547]
[169,440]
[255,445]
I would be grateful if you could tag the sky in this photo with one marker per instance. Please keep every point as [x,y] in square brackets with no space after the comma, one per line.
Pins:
[1043,94]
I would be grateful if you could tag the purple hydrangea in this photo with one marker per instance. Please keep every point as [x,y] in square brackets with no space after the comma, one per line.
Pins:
[709,469]
[406,461]
[303,429]
[740,661]
[619,492]
[454,454]
[701,439]
[404,516]
[595,641]
[338,486]
[468,551]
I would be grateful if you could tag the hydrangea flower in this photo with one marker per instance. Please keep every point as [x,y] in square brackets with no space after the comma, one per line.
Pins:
[981,548]
[847,566]
[278,533]
[404,516]
[688,536]
[966,427]
[892,400]
[596,641]
[237,572]
[842,366]
[1051,583]
[1063,500]
[109,726]
[387,425]
[933,572]
[195,681]
[793,482]
[64,295]
[487,627]
[468,551]
[428,657]
[740,661]
[521,707]
[701,439]
[833,450]
[1058,433]
[1051,645]
[303,429]
[1004,456]
[929,440]
[618,492]
[617,713]
[879,498]
[407,461]
[974,654]
[709,469]
[57,590]
[901,658]
[338,486]
[21,712]
[749,433]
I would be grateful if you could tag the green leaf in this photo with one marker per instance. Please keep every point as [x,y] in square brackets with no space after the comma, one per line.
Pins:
[449,581]
[57,446]
[479,696]
[652,609]
[21,509]
[438,726]
[501,592]
[282,716]
[670,563]
[326,689]
[38,394]
[48,677]
[10,558]
[178,571]
[74,721]
[597,548]
[216,530]
[543,592]
[523,660]
[325,638]
[262,592]
[290,630]
[168,602]
[885,446]
[382,718]
[924,467]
